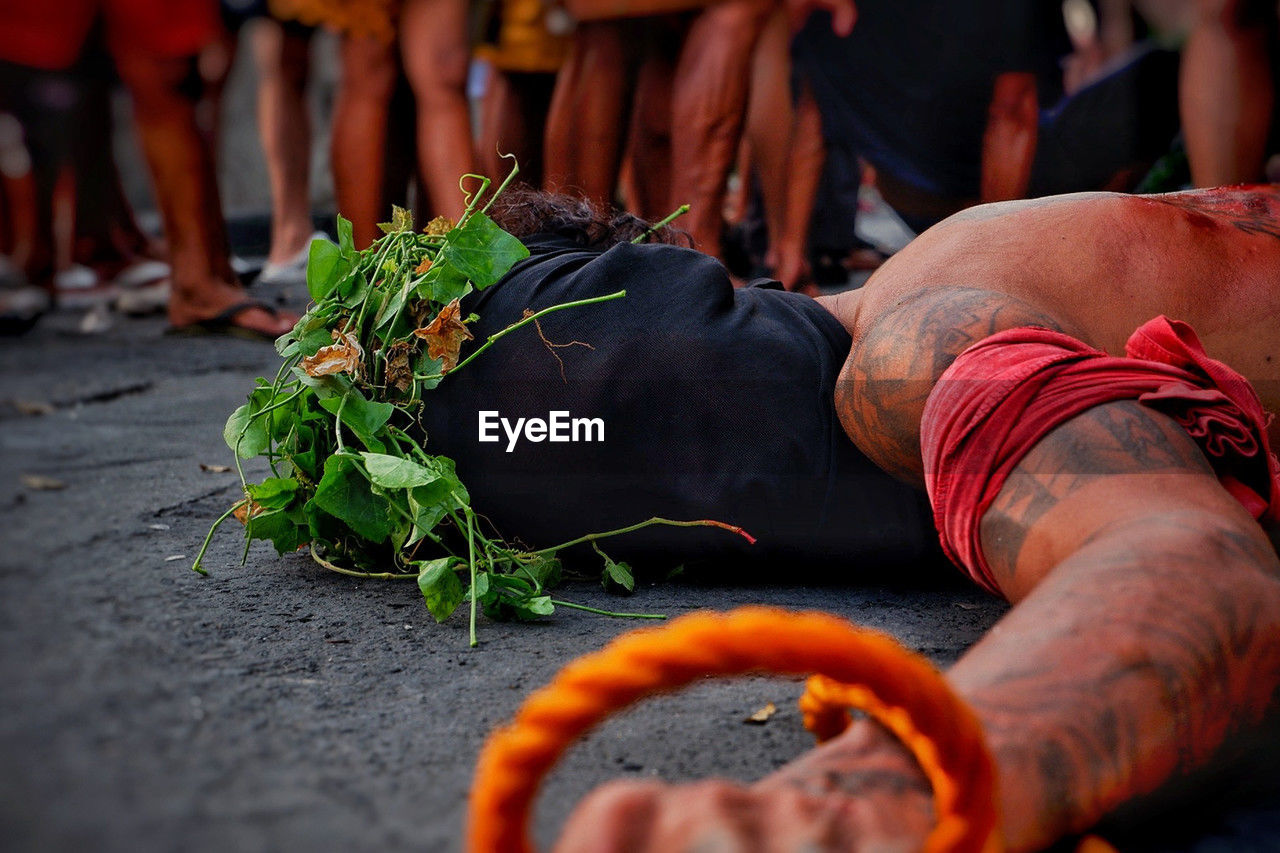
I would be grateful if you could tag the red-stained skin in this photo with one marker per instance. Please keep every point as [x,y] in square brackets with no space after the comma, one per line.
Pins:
[1102,264]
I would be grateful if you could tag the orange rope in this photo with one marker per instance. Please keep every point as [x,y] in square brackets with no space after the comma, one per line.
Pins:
[897,687]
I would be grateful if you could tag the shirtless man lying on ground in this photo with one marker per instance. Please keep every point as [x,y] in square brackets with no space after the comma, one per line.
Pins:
[1145,631]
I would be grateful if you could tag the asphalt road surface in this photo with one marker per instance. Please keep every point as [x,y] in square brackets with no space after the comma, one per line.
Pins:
[277,706]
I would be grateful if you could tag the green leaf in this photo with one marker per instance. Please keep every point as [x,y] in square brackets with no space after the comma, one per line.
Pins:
[391,309]
[444,283]
[326,387]
[313,323]
[344,493]
[536,607]
[393,472]
[346,243]
[274,492]
[245,433]
[482,251]
[353,289]
[302,453]
[325,268]
[281,528]
[363,417]
[440,586]
[310,342]
[618,573]
[545,570]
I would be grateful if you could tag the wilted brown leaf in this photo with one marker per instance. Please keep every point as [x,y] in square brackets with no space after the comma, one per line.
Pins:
[444,336]
[246,510]
[41,483]
[33,408]
[344,356]
[439,226]
[762,716]
[399,373]
[423,267]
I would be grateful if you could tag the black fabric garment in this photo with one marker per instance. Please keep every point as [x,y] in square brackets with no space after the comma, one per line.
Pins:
[717,403]
[910,87]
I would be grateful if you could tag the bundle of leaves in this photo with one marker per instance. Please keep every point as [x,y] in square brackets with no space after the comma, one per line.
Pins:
[338,425]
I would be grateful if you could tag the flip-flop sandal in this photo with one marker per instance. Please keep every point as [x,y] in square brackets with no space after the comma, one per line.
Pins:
[223,323]
[141,273]
[21,307]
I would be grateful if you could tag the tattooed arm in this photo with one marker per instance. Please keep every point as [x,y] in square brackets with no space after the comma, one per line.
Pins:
[897,360]
[1146,629]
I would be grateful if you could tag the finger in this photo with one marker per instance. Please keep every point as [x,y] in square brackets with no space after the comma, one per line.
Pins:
[614,817]
[844,14]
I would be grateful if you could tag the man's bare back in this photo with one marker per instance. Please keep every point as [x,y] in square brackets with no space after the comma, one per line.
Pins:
[1093,265]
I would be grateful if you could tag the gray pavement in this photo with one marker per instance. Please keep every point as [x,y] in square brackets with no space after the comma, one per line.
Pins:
[275,705]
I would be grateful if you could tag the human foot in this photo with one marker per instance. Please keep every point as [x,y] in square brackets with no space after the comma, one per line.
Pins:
[224,309]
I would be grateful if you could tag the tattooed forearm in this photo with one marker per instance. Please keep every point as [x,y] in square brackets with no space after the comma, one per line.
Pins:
[894,364]
[1129,666]
[1134,654]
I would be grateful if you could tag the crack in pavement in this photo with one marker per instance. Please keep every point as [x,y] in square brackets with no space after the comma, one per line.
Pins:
[15,408]
[165,510]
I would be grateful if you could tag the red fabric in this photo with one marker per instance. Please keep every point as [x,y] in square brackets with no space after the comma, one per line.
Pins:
[1005,393]
[49,35]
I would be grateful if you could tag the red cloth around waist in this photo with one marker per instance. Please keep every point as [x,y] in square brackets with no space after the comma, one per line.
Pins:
[1005,393]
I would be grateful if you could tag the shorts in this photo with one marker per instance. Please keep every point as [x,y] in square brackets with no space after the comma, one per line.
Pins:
[51,35]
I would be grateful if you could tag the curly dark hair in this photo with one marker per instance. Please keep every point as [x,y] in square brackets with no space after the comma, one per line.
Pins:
[524,212]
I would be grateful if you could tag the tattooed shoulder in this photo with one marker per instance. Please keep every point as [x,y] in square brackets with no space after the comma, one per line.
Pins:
[899,355]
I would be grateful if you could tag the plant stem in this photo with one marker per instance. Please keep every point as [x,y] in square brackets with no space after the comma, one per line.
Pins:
[515,170]
[661,223]
[337,425]
[208,537]
[652,522]
[492,339]
[570,604]
[471,560]
[380,576]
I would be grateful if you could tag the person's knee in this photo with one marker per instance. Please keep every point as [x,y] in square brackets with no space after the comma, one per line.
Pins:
[438,75]
[368,69]
[156,83]
[737,18]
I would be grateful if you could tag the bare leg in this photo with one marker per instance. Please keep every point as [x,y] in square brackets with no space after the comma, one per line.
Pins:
[652,195]
[710,99]
[512,120]
[1226,93]
[359,132]
[770,119]
[435,51]
[281,54]
[788,251]
[588,111]
[203,284]
[18,187]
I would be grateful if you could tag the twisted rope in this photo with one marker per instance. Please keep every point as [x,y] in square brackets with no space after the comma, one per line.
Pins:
[899,688]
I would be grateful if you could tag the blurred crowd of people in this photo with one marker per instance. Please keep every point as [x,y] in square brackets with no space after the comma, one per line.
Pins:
[771,119]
